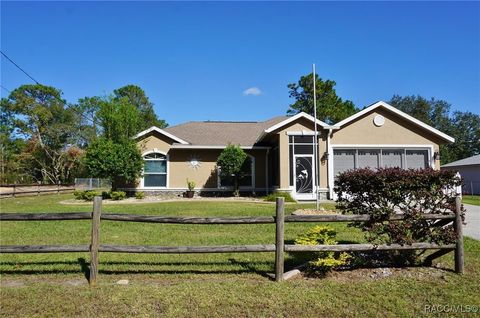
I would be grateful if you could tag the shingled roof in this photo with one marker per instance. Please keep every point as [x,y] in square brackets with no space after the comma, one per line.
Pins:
[470,161]
[221,133]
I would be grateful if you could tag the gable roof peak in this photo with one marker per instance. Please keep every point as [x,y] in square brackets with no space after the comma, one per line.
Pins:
[399,113]
[162,132]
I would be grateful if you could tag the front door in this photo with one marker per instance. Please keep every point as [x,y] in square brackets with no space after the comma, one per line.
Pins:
[304,174]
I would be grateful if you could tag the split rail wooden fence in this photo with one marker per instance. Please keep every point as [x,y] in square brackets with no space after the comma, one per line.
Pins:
[279,248]
[34,189]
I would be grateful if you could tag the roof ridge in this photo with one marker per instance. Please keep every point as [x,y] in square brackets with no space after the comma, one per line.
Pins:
[229,121]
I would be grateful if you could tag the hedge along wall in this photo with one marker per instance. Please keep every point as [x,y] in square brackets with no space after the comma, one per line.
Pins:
[383,192]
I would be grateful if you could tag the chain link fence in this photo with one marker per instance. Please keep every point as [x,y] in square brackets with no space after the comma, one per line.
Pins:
[83,184]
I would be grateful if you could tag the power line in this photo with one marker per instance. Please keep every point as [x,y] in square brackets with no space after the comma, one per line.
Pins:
[5,88]
[21,69]
[38,83]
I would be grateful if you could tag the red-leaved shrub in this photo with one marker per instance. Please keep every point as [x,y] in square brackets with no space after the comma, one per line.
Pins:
[384,192]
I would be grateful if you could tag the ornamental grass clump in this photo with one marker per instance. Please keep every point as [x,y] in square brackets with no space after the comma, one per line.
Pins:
[323,262]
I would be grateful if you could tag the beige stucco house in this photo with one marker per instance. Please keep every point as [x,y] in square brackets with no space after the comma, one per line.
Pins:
[280,151]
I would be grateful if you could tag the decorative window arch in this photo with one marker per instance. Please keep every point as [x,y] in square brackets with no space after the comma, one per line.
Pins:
[155,170]
[247,181]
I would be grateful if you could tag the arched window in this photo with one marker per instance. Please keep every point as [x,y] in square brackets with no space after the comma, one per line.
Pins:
[155,170]
[247,178]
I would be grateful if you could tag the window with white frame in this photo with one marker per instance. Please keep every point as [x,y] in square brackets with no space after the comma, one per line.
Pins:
[246,179]
[155,170]
[346,159]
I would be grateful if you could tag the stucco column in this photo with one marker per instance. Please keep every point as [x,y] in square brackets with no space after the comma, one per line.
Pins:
[284,158]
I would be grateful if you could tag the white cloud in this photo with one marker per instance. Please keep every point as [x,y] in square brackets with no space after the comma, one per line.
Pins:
[254,91]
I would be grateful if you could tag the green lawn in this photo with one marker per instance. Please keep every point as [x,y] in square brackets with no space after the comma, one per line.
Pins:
[471,199]
[203,285]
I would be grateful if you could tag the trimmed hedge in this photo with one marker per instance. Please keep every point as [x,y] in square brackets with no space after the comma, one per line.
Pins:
[383,192]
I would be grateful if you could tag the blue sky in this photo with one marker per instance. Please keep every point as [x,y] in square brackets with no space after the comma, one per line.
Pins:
[198,61]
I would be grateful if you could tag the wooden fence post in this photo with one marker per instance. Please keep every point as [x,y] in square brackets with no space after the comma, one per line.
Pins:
[459,256]
[279,239]
[14,187]
[97,210]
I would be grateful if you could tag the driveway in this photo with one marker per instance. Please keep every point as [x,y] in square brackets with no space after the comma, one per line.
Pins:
[472,217]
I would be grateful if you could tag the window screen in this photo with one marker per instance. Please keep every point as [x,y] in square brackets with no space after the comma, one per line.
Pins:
[343,160]
[303,139]
[416,159]
[392,158]
[368,158]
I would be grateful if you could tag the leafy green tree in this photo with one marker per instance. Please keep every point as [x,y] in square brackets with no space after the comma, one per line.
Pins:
[463,126]
[88,107]
[114,155]
[40,114]
[120,162]
[330,107]
[119,119]
[231,161]
[10,145]
[465,129]
[137,97]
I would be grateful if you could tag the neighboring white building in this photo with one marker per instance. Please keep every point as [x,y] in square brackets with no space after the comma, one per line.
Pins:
[469,169]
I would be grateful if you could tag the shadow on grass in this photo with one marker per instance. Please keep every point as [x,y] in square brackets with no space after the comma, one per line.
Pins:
[251,268]
[367,260]
[246,267]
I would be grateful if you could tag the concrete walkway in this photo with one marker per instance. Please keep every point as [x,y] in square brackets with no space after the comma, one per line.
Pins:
[472,217]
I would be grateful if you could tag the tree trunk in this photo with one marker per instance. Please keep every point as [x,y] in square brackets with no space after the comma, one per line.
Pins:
[236,192]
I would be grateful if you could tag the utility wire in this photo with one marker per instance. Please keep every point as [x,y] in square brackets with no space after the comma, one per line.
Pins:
[21,69]
[92,120]
[5,88]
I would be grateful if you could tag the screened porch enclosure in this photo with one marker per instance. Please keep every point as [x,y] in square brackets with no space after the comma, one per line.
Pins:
[405,158]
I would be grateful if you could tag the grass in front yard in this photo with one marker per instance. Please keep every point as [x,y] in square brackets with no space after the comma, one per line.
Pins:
[202,285]
[471,199]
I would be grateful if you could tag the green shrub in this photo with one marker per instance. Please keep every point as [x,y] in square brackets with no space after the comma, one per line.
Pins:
[78,194]
[118,195]
[106,195]
[324,261]
[190,185]
[139,195]
[273,196]
[86,195]
[382,193]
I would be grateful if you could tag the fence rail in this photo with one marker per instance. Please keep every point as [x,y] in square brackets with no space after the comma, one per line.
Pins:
[28,189]
[279,247]
[199,220]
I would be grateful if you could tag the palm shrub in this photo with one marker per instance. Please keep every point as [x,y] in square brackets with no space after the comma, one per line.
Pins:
[118,195]
[86,195]
[139,195]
